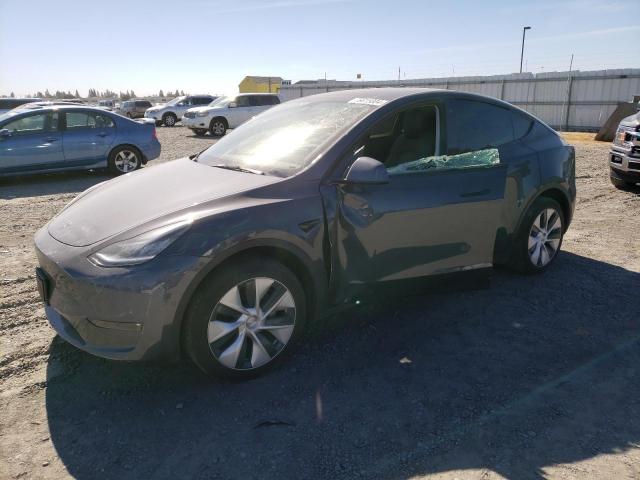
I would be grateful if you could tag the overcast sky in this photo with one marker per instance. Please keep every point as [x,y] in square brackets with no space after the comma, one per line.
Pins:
[204,46]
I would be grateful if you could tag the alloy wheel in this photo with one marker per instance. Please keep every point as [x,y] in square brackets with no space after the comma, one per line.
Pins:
[251,324]
[169,121]
[126,161]
[218,128]
[544,237]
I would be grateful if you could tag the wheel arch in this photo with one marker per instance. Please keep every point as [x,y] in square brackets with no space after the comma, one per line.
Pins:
[504,242]
[292,257]
[219,117]
[143,159]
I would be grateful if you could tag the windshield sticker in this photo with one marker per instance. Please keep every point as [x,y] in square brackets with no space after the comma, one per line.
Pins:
[368,101]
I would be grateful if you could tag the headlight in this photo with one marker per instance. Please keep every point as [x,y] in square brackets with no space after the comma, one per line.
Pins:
[202,114]
[140,249]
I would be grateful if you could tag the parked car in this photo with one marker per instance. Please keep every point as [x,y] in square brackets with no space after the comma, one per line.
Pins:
[47,103]
[169,113]
[70,137]
[624,156]
[106,104]
[228,112]
[134,108]
[7,104]
[315,203]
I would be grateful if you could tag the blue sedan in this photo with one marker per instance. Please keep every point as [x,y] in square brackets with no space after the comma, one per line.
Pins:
[57,138]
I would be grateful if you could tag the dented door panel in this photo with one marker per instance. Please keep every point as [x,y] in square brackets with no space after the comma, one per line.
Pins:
[417,224]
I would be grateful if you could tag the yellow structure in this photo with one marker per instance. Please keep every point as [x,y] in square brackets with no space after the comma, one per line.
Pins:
[252,84]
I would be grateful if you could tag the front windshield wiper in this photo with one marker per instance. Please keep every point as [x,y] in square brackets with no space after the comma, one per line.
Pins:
[194,158]
[239,169]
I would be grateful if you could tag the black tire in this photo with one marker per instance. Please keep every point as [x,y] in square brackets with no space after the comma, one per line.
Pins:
[218,127]
[207,298]
[169,119]
[521,259]
[621,184]
[200,131]
[116,165]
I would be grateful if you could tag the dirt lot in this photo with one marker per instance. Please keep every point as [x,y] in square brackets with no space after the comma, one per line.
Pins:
[535,377]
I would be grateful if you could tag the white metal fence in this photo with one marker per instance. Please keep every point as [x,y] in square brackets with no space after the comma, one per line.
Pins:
[565,100]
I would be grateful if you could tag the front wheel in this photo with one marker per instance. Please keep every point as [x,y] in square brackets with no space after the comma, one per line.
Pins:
[245,318]
[124,160]
[218,127]
[540,237]
[169,120]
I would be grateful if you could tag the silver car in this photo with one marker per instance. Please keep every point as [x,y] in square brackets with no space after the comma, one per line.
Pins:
[169,113]
[134,108]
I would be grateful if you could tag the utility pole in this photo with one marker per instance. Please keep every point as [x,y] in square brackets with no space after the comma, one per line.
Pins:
[524,32]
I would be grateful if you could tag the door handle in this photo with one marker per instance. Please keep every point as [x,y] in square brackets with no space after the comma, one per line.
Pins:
[52,139]
[101,134]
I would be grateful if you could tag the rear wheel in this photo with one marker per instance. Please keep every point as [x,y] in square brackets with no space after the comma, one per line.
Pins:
[218,127]
[244,319]
[124,159]
[540,237]
[169,119]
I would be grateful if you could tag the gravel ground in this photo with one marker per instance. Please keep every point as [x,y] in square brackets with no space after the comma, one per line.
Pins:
[534,377]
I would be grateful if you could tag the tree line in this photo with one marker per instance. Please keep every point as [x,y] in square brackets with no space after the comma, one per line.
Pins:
[93,93]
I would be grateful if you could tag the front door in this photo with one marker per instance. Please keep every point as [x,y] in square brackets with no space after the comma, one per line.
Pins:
[87,137]
[31,142]
[437,214]
[242,112]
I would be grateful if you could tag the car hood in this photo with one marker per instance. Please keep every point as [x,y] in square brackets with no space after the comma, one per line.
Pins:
[631,121]
[121,204]
[157,108]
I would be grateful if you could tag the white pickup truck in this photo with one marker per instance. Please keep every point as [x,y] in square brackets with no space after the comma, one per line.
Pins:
[624,156]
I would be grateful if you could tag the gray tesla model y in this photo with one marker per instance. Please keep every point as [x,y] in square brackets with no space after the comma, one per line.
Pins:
[227,256]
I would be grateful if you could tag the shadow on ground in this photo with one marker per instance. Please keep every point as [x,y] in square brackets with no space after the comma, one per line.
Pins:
[50,183]
[532,372]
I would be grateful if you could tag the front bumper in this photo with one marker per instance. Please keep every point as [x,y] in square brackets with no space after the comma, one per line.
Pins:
[116,313]
[196,122]
[157,116]
[621,159]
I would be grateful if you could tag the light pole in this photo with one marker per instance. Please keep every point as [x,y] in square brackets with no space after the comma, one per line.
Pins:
[524,32]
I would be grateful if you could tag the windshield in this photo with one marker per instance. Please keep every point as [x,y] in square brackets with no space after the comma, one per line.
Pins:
[285,139]
[221,102]
[175,100]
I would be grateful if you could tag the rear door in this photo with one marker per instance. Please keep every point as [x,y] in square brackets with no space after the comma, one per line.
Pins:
[31,142]
[87,137]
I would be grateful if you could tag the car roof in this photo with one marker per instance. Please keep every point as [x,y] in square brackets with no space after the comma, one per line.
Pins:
[256,93]
[47,108]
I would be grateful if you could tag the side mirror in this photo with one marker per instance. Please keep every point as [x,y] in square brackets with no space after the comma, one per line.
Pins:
[4,133]
[366,171]
[233,104]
